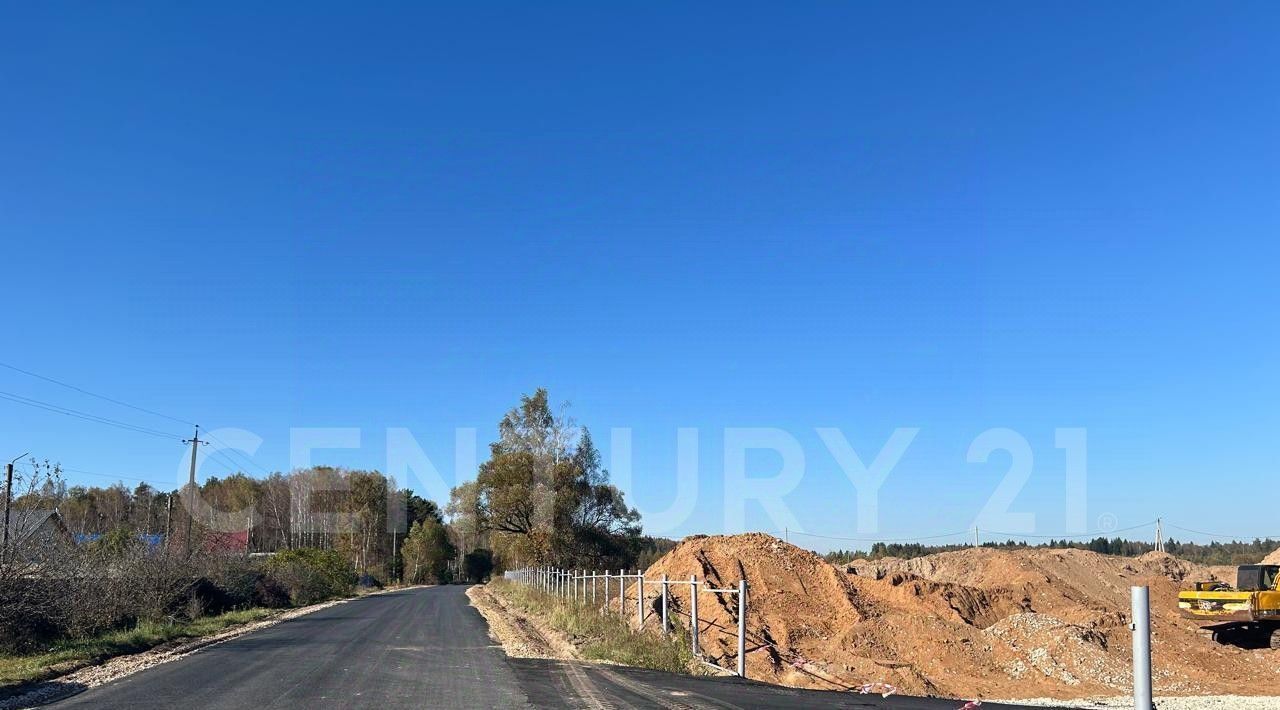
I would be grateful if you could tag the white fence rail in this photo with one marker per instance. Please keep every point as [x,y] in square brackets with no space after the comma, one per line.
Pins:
[583,587]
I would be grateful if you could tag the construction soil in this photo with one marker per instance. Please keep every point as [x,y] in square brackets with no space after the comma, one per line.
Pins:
[977,623]
[1272,559]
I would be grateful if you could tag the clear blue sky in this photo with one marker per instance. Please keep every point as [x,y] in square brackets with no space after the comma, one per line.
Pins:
[863,215]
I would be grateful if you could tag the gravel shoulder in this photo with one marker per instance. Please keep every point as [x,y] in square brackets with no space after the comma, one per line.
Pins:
[521,636]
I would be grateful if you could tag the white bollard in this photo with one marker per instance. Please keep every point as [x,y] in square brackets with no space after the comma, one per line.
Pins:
[693,612]
[665,628]
[1141,627]
[742,628]
[640,599]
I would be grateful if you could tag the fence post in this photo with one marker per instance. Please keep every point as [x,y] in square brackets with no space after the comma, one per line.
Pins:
[742,628]
[606,590]
[640,598]
[664,604]
[622,592]
[693,611]
[1141,627]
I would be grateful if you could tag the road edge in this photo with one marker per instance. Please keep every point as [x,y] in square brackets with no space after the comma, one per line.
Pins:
[115,668]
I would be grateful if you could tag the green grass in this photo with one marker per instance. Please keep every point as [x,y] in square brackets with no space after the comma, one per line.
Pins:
[601,637]
[64,656]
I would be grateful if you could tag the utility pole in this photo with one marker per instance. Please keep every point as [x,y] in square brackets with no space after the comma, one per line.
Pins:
[168,517]
[8,497]
[191,484]
[975,537]
[1159,535]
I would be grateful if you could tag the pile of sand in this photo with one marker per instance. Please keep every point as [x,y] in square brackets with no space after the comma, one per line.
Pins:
[1272,559]
[971,623]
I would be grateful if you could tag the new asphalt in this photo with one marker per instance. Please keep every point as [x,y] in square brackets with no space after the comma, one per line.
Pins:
[423,648]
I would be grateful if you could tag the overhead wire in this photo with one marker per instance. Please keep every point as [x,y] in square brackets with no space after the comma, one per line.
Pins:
[236,453]
[970,531]
[1218,535]
[94,394]
[67,411]
[880,539]
[118,477]
[1095,533]
[226,456]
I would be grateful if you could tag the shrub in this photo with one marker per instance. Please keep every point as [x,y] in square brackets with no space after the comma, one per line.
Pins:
[310,575]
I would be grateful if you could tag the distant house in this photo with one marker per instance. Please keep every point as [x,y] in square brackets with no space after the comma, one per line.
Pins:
[225,542]
[36,533]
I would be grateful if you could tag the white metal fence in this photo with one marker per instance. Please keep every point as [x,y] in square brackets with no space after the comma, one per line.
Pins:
[596,588]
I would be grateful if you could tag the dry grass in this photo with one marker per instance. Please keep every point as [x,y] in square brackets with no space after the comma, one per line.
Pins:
[67,655]
[601,637]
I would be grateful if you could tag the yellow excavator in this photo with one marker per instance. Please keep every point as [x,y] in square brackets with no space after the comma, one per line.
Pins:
[1246,613]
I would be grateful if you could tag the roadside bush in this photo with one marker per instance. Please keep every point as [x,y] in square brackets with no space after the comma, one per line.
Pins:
[114,585]
[310,575]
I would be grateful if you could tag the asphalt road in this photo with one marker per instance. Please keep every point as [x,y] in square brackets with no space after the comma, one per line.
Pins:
[427,648]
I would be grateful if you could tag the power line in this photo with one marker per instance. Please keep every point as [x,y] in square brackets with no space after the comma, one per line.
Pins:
[67,411]
[230,457]
[94,394]
[968,532]
[82,471]
[1096,533]
[115,476]
[1225,537]
[880,539]
[236,453]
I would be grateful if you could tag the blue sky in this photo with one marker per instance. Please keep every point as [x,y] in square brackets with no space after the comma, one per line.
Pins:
[855,215]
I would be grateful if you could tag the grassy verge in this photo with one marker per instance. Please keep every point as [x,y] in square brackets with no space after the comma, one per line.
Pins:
[65,656]
[601,637]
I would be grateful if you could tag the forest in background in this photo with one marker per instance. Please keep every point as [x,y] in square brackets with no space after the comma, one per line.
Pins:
[1213,553]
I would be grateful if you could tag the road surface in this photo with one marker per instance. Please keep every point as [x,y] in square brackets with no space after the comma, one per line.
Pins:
[427,647]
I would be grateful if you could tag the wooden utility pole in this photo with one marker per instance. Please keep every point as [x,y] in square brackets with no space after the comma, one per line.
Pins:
[8,494]
[8,498]
[191,485]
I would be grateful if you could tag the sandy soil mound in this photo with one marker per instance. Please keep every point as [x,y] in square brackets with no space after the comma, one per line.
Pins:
[1272,559]
[971,623]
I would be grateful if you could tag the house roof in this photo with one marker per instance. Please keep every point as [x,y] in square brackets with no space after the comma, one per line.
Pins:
[25,522]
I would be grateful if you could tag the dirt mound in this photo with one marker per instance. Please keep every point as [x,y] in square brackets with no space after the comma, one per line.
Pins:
[970,623]
[1272,559]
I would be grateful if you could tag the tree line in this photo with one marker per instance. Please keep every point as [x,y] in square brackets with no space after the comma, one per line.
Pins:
[542,497]
[1214,553]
